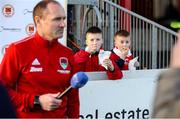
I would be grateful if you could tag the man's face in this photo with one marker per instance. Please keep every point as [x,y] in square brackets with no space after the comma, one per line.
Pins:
[122,42]
[94,41]
[52,23]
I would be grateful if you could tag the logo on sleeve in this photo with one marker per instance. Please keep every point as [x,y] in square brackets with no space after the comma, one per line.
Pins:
[36,66]
[63,62]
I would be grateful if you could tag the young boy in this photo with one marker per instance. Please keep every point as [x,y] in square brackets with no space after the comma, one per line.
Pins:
[88,60]
[121,53]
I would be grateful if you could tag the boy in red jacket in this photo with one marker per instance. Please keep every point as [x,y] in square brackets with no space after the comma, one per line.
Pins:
[89,60]
[121,53]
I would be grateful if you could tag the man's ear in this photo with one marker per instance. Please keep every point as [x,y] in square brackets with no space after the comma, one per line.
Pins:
[37,19]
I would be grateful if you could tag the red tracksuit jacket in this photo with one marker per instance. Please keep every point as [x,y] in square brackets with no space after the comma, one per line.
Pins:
[122,64]
[32,67]
[88,63]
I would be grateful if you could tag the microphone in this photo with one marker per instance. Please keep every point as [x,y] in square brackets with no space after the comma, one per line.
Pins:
[78,80]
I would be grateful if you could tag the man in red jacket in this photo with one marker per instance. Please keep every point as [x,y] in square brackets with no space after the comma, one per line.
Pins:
[89,60]
[38,68]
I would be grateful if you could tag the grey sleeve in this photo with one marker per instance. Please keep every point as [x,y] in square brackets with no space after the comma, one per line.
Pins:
[167,96]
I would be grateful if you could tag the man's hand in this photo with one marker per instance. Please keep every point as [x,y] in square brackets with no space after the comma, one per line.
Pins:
[49,101]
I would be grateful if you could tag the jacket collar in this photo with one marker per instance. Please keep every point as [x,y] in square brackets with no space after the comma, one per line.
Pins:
[43,42]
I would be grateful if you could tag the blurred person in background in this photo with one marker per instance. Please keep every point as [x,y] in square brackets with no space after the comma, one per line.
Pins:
[6,108]
[167,98]
[171,18]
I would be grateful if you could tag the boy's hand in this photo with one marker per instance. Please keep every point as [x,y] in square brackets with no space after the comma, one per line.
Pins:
[136,64]
[124,52]
[109,64]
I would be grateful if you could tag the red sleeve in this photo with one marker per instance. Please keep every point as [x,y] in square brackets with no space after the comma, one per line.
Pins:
[80,59]
[10,71]
[73,110]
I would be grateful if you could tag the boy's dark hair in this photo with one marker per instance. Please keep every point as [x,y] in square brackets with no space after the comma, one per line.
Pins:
[41,6]
[122,33]
[94,29]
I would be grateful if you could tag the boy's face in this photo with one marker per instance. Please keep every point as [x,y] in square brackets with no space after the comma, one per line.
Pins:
[94,41]
[122,42]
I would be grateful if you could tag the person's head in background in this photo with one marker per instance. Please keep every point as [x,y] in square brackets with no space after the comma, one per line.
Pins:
[176,4]
[49,18]
[122,40]
[94,39]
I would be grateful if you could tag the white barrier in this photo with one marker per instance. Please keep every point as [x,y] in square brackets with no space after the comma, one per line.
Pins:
[131,97]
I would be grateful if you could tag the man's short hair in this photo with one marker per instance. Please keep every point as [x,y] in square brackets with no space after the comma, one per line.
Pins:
[41,6]
[94,29]
[122,33]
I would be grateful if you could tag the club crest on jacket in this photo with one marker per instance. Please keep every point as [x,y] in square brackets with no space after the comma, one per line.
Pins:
[63,61]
